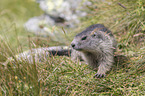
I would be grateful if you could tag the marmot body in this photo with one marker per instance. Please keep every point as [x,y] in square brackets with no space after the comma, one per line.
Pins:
[95,45]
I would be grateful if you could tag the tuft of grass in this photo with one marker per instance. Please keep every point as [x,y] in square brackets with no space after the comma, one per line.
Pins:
[61,76]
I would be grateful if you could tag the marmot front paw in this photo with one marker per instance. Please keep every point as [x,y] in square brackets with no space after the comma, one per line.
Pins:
[99,75]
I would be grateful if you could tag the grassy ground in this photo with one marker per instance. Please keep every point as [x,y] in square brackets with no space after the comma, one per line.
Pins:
[61,76]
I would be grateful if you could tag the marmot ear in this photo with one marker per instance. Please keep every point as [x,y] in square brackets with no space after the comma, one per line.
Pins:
[94,35]
[99,36]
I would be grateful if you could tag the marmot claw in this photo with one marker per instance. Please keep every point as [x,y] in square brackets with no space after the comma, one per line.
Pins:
[99,75]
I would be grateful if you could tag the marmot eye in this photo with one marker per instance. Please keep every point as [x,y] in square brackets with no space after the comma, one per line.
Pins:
[84,38]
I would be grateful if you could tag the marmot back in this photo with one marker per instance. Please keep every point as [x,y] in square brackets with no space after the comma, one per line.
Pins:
[95,45]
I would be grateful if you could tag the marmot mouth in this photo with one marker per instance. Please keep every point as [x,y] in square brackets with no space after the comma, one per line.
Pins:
[78,49]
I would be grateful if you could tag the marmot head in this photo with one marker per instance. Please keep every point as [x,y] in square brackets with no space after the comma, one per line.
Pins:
[87,41]
[91,38]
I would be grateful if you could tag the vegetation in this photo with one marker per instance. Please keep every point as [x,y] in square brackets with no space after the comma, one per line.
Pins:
[61,76]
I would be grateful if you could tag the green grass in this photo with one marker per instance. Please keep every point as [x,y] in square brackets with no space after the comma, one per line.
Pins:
[13,15]
[61,76]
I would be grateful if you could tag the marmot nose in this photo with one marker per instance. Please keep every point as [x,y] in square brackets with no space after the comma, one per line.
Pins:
[72,45]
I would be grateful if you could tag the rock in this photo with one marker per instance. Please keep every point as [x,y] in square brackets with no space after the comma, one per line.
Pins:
[70,10]
[64,13]
[38,25]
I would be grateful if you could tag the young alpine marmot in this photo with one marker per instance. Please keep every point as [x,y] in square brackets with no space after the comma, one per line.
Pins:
[95,45]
